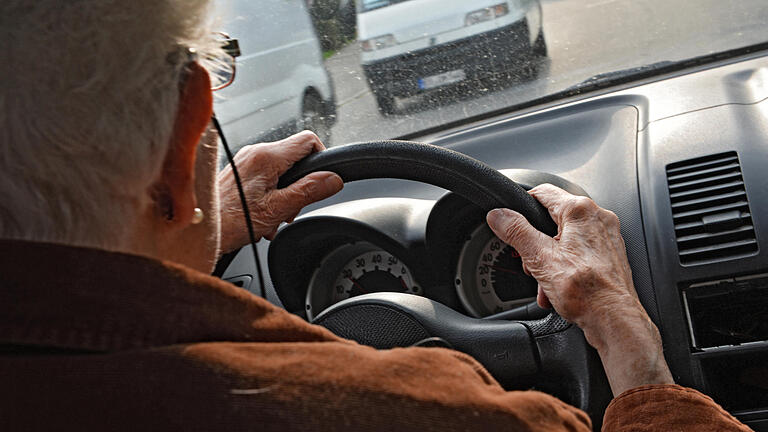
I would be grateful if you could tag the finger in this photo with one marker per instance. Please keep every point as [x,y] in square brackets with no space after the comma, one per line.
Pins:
[512,228]
[284,204]
[294,148]
[543,300]
[553,198]
[306,138]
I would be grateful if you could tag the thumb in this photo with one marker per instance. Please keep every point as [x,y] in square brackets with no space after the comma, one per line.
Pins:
[286,203]
[512,228]
[542,299]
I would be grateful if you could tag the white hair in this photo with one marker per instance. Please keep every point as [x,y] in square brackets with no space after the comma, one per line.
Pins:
[88,97]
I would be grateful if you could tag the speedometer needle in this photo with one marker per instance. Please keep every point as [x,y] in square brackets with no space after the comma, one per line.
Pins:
[405,287]
[360,287]
[502,269]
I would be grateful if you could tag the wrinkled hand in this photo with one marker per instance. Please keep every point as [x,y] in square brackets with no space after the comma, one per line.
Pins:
[584,273]
[260,167]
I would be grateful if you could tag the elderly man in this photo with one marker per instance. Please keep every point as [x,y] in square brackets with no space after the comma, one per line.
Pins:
[112,216]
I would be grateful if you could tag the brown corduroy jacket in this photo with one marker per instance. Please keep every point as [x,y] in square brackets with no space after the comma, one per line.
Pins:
[94,340]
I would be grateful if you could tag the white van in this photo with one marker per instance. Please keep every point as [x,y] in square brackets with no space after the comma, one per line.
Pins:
[412,46]
[281,85]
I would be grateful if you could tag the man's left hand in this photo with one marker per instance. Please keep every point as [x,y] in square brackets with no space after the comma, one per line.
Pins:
[260,166]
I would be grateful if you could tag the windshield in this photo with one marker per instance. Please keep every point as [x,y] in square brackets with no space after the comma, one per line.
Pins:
[378,69]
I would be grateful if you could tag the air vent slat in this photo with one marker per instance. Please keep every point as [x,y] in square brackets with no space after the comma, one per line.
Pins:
[708,190]
[710,210]
[677,169]
[693,184]
[698,226]
[709,201]
[738,205]
[720,247]
[730,168]
[706,239]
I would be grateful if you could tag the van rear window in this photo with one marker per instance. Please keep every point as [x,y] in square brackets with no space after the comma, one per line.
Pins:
[368,5]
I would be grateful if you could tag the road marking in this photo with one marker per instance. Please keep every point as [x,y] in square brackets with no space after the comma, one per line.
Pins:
[357,95]
[275,49]
[598,4]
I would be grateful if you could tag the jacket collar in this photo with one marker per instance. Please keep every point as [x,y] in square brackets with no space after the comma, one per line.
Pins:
[72,297]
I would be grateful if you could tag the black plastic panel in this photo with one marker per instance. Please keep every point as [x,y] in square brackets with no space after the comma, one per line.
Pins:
[727,312]
[738,382]
[710,209]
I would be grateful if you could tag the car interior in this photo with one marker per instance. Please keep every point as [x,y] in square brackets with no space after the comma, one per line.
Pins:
[403,255]
[679,155]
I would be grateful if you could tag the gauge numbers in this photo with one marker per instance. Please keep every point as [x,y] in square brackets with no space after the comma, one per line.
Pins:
[490,277]
[370,272]
[357,269]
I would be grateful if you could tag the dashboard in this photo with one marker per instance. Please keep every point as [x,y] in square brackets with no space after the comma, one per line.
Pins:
[442,250]
[681,160]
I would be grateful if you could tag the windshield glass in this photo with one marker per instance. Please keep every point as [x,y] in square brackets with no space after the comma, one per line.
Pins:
[378,69]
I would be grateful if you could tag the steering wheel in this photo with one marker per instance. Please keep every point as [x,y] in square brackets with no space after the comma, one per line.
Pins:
[549,353]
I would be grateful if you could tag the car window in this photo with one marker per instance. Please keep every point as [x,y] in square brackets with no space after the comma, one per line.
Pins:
[374,69]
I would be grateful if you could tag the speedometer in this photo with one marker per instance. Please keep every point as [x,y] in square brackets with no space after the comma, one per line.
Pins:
[490,277]
[356,269]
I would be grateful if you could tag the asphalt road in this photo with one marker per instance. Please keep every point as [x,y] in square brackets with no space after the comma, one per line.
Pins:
[584,38]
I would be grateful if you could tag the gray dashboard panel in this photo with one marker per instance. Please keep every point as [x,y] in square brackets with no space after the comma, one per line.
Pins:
[743,128]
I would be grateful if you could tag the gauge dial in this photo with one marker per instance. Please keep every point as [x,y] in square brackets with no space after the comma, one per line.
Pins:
[490,277]
[370,272]
[357,269]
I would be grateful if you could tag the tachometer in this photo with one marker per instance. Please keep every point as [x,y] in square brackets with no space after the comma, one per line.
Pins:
[490,277]
[357,269]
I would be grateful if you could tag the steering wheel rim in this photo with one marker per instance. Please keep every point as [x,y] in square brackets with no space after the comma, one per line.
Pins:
[474,180]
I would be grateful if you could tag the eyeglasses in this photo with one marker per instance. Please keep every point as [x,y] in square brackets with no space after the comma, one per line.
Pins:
[220,65]
[223,67]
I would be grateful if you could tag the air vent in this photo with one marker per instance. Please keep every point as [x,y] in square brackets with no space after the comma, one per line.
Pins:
[710,209]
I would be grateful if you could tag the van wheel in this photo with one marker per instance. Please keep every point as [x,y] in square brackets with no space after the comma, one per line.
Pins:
[540,45]
[312,118]
[386,103]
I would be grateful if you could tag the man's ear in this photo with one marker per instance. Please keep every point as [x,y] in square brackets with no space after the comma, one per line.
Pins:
[174,191]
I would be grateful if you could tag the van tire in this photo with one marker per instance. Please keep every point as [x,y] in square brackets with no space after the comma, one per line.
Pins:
[540,45]
[385,103]
[313,118]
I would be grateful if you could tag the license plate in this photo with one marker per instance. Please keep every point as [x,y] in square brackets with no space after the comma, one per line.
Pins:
[442,79]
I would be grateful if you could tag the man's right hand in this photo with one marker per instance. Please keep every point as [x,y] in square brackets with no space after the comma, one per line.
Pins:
[583,272]
[260,167]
